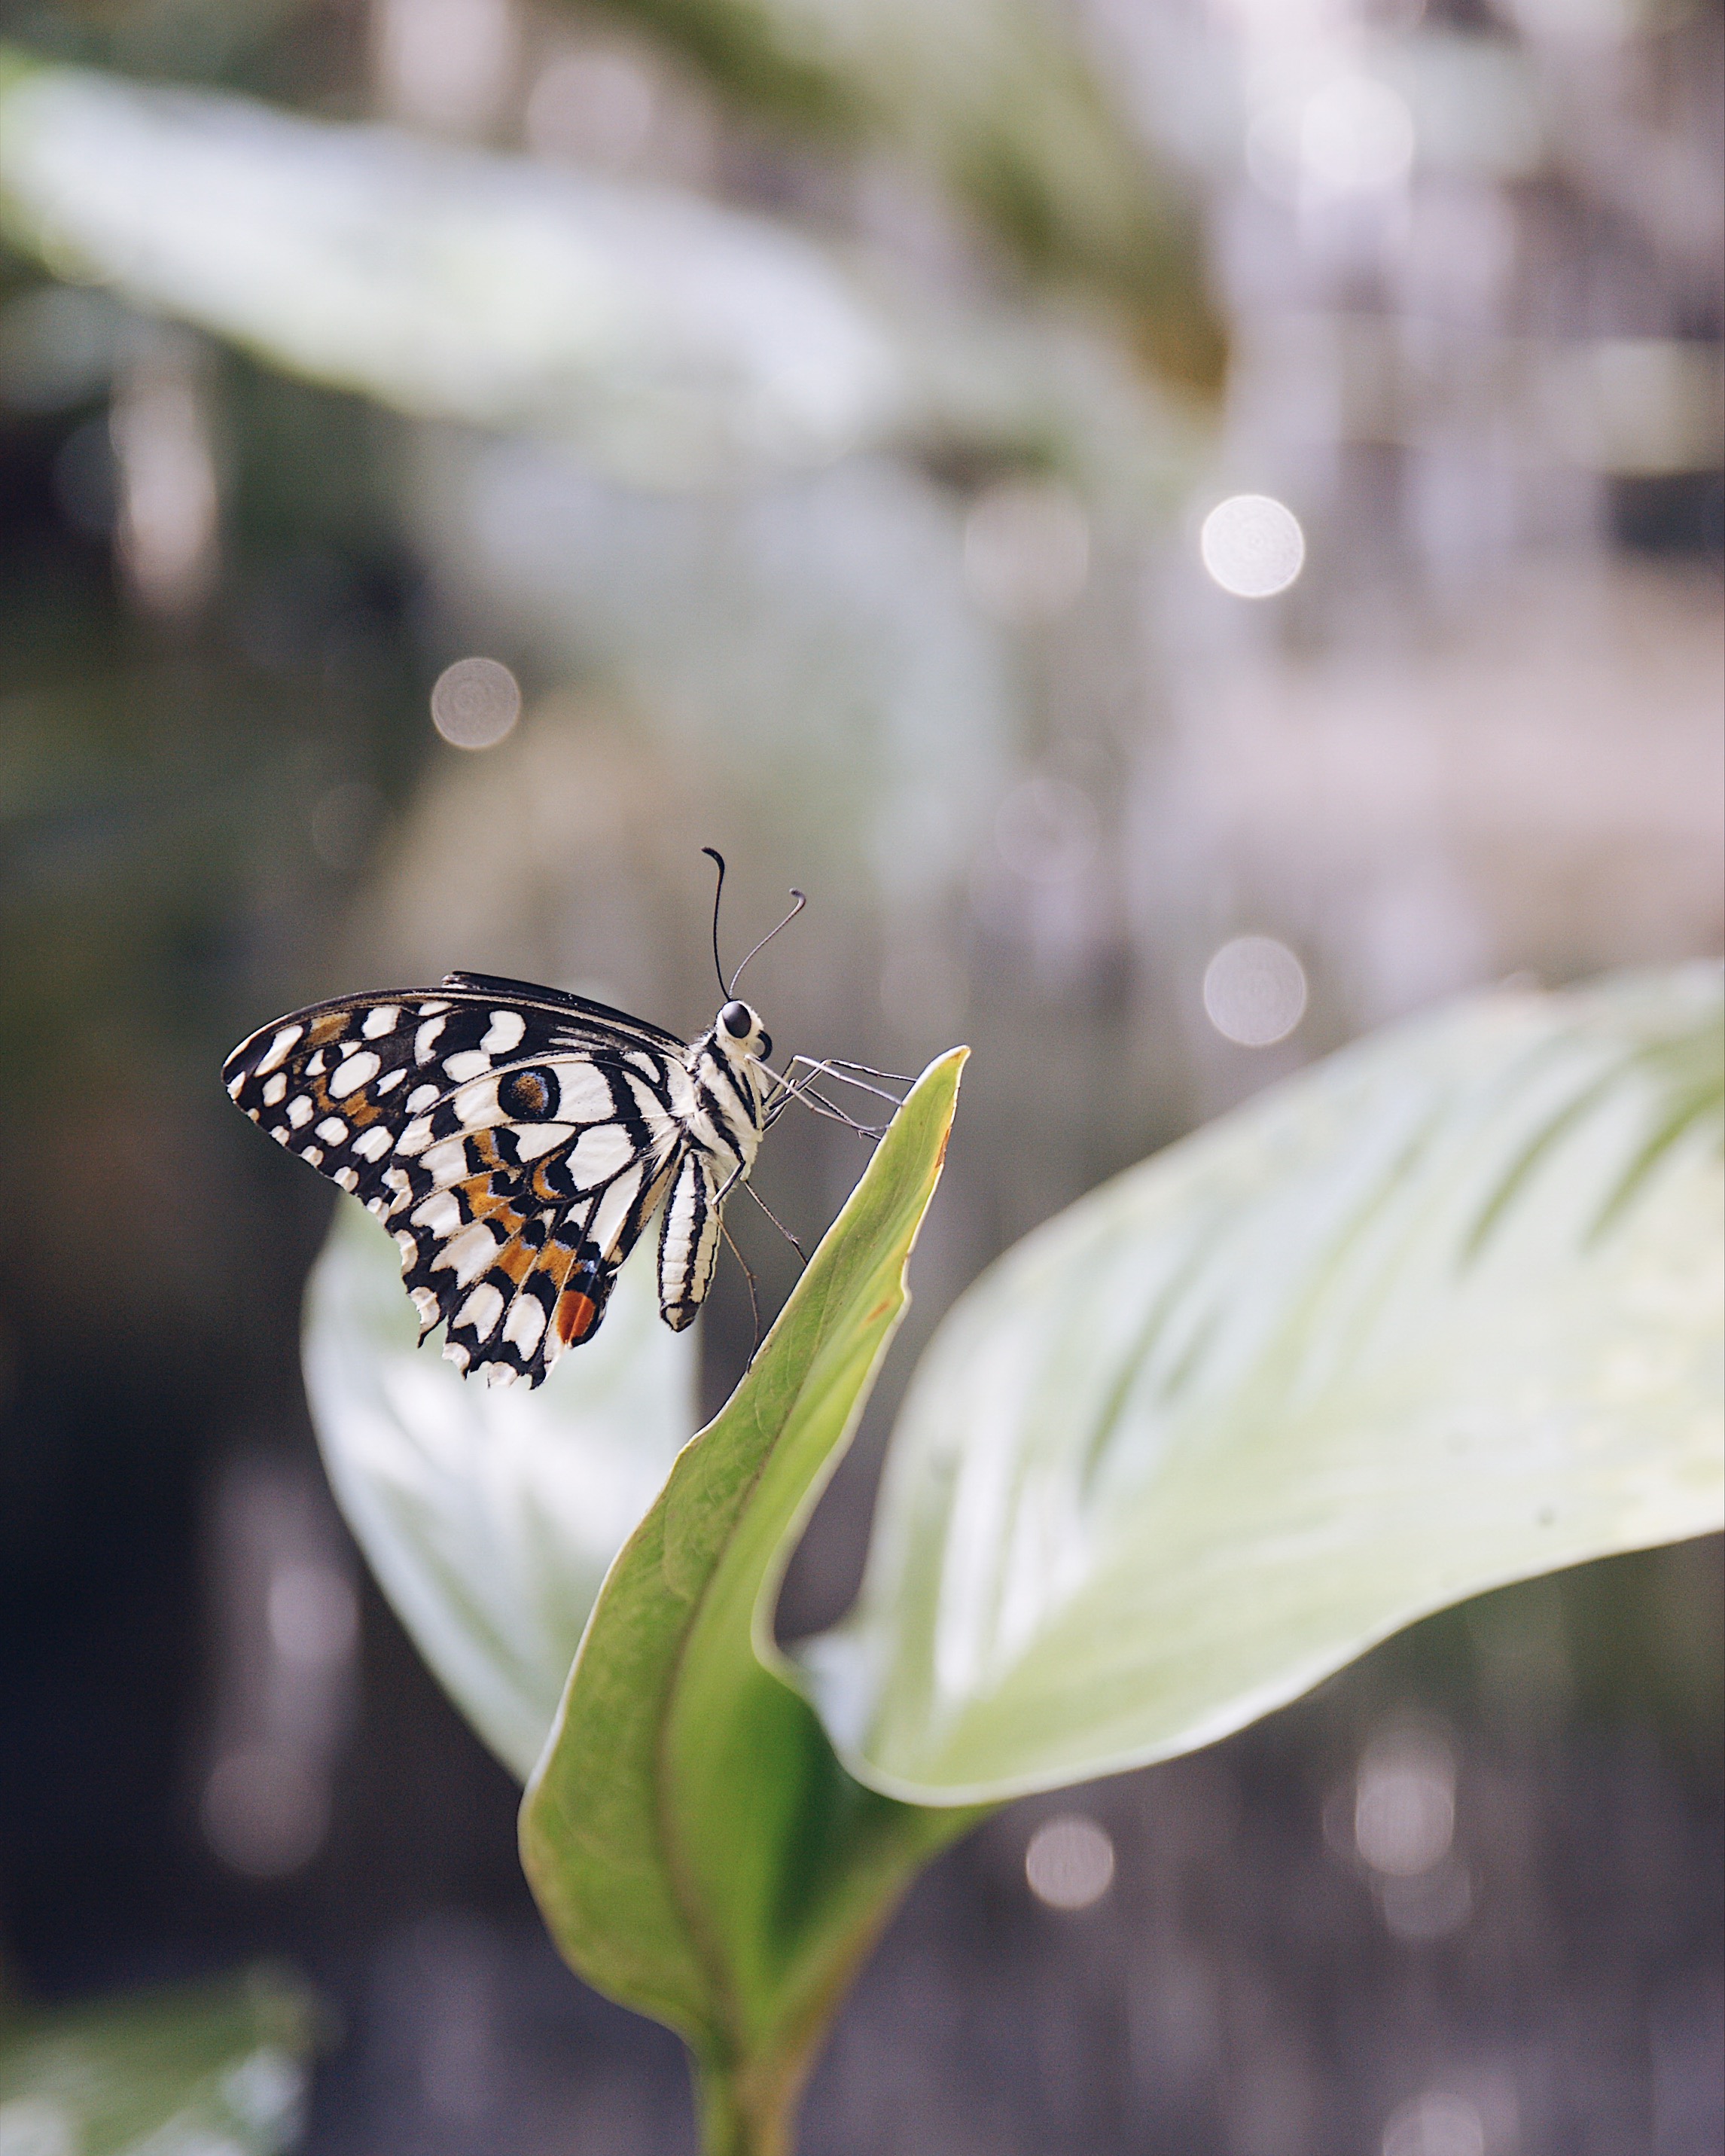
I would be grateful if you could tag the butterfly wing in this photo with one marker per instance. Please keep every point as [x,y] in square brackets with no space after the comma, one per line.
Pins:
[515,1141]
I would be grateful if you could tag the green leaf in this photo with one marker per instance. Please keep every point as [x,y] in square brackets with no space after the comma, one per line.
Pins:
[220,2070]
[490,1516]
[1442,1313]
[695,1848]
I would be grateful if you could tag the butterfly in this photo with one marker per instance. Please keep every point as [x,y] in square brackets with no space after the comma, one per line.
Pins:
[517,1140]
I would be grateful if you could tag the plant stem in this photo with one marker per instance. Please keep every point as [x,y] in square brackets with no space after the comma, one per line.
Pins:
[744,2113]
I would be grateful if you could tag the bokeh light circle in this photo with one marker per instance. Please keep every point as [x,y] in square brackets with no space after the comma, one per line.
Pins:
[1356,135]
[1435,2124]
[476,703]
[1069,1863]
[1255,991]
[1252,545]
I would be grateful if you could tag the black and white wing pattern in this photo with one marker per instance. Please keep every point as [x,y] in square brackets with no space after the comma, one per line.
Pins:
[515,1140]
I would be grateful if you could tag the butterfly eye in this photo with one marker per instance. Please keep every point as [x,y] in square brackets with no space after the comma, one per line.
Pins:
[766,1048]
[738,1020]
[527,1095]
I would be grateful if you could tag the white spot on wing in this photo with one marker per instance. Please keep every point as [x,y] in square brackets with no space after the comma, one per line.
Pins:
[381,1021]
[300,1111]
[504,1032]
[468,1253]
[446,1162]
[500,1373]
[585,1097]
[532,1139]
[466,1063]
[373,1144]
[354,1072]
[391,1079]
[313,1153]
[278,1050]
[422,1096]
[477,1104]
[600,1153]
[481,1310]
[425,1040]
[430,1009]
[333,1129]
[612,1209]
[440,1213]
[647,1102]
[347,1177]
[275,1089]
[525,1323]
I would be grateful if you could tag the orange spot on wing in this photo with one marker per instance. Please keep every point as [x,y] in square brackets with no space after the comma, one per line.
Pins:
[483,1202]
[576,1313]
[327,1026]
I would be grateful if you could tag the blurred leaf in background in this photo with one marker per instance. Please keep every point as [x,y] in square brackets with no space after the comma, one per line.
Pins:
[674,340]
[994,99]
[490,1518]
[223,2066]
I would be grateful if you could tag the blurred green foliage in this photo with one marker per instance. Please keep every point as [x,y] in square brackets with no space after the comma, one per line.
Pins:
[220,2066]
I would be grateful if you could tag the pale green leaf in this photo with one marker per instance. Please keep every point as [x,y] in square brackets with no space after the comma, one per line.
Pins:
[668,337]
[490,1515]
[220,2070]
[670,340]
[1439,1314]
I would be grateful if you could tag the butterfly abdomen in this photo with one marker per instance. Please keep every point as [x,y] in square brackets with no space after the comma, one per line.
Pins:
[688,1241]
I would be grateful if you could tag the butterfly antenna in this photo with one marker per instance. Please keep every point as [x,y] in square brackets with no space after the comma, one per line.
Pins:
[713,853]
[801,902]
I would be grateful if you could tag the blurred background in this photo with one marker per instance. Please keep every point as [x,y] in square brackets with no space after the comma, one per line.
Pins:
[1192,528]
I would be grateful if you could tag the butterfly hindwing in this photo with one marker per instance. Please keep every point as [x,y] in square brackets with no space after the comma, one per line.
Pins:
[515,1139]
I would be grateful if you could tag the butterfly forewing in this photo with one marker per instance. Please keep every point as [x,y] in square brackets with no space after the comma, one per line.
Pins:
[515,1139]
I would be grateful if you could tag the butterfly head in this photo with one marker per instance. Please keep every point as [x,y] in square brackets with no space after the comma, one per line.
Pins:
[738,1032]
